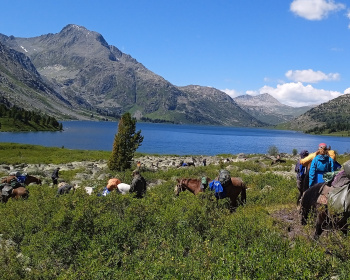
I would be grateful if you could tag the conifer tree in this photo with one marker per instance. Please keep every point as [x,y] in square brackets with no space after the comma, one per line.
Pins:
[126,142]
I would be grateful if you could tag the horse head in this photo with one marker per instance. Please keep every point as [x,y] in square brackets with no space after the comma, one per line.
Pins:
[179,187]
[31,179]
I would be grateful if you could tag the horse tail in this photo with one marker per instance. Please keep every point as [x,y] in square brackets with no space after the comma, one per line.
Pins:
[243,193]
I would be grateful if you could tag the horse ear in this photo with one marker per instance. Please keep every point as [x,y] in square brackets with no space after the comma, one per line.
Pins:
[178,180]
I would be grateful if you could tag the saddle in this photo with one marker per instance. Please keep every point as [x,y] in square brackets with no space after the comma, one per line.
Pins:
[6,190]
[324,191]
[338,181]
[339,199]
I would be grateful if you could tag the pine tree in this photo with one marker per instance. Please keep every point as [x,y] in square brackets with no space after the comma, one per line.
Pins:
[126,142]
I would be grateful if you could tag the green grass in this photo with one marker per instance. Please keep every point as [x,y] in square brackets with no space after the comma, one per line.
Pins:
[77,236]
[12,153]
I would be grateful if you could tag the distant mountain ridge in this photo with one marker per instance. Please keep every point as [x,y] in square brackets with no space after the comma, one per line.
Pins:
[268,109]
[80,76]
[94,78]
[214,104]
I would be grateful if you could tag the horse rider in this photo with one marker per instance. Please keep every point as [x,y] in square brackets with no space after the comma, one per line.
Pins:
[138,184]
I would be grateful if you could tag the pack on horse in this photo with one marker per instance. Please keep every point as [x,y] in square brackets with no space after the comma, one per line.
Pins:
[190,184]
[234,188]
[26,180]
[324,199]
[20,192]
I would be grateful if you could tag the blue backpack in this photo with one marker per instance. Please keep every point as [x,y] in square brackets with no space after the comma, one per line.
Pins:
[300,170]
[218,189]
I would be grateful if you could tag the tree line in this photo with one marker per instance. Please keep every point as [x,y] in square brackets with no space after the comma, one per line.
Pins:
[20,115]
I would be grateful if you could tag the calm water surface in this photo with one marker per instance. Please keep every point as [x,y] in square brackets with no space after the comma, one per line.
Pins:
[178,139]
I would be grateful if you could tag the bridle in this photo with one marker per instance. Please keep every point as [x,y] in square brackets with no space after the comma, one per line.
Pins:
[181,185]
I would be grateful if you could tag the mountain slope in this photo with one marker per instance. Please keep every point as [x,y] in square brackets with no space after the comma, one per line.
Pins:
[213,104]
[332,116]
[97,77]
[268,109]
[23,86]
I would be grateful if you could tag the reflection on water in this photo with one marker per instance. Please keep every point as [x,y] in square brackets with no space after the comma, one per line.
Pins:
[178,139]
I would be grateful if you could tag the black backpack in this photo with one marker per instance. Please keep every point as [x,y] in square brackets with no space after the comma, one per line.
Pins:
[224,177]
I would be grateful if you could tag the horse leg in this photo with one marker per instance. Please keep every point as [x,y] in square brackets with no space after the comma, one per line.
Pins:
[321,218]
[233,204]
[343,224]
[304,214]
[243,195]
[299,197]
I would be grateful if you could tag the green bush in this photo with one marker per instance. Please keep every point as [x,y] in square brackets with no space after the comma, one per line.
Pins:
[272,151]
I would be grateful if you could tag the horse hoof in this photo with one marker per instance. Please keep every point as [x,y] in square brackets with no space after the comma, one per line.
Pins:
[315,237]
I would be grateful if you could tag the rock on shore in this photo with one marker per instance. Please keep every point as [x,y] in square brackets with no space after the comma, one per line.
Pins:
[98,170]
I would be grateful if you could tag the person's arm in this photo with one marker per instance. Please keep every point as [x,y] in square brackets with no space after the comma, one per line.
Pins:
[132,186]
[306,160]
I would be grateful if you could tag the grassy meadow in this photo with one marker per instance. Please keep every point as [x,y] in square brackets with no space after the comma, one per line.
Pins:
[77,236]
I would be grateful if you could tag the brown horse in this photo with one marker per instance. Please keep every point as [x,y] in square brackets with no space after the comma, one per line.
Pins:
[312,201]
[235,188]
[17,193]
[192,185]
[28,180]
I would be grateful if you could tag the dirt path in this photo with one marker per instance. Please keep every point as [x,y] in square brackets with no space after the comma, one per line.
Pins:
[289,219]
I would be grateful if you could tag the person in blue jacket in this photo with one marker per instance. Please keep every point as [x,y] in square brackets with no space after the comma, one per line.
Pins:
[321,164]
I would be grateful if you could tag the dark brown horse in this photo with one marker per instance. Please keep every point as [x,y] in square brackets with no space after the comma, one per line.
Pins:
[28,180]
[233,190]
[314,200]
[17,193]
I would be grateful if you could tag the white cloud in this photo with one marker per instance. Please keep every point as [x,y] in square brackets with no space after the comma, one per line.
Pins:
[296,94]
[311,76]
[315,9]
[231,92]
[347,91]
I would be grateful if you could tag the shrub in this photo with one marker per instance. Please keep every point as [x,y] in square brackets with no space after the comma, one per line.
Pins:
[273,150]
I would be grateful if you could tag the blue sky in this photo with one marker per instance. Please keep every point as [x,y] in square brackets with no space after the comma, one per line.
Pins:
[296,50]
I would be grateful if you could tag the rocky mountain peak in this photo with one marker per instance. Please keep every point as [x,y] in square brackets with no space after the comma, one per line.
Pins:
[75,34]
[264,99]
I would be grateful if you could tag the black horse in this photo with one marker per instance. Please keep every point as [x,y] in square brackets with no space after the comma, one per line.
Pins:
[312,201]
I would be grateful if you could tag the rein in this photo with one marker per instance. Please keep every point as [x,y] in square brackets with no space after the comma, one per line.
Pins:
[182,184]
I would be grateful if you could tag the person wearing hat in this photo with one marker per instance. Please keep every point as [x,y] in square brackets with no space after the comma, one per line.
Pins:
[306,161]
[55,176]
[138,184]
[321,164]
